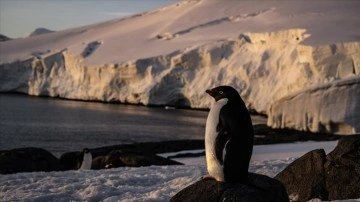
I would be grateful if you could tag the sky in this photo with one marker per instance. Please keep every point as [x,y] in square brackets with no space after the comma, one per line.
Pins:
[18,18]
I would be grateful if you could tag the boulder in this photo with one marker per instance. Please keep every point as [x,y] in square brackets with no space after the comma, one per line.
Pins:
[342,169]
[260,188]
[71,160]
[304,179]
[118,158]
[335,176]
[28,160]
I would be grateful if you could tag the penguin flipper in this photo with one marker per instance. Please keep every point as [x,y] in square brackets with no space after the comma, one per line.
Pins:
[221,140]
[238,149]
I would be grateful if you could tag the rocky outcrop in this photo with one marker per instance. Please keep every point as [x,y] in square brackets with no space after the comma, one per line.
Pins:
[4,38]
[335,176]
[71,160]
[40,31]
[304,179]
[342,169]
[28,160]
[114,159]
[130,155]
[260,188]
[118,158]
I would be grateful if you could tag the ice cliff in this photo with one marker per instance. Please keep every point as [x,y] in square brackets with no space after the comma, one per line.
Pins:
[332,107]
[298,84]
[265,67]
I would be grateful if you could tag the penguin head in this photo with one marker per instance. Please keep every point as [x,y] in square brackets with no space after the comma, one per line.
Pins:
[222,92]
[86,150]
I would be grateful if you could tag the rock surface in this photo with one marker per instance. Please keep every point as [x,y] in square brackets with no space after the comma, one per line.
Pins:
[118,158]
[335,176]
[4,38]
[28,160]
[260,188]
[71,160]
[304,179]
[342,169]
[130,155]
[40,31]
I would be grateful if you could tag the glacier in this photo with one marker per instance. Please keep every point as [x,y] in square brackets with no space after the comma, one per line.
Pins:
[152,60]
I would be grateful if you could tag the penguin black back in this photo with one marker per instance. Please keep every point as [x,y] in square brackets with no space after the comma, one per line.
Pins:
[234,140]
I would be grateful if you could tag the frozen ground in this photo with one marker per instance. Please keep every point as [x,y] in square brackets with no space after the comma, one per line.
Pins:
[155,183]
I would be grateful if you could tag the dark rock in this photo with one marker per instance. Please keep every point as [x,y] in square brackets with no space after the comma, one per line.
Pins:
[127,159]
[4,38]
[260,188]
[28,160]
[332,177]
[71,160]
[40,31]
[343,169]
[304,178]
[347,150]
[114,159]
[99,163]
[266,135]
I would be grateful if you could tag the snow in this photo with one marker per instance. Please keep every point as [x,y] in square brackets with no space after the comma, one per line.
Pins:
[154,183]
[122,184]
[171,55]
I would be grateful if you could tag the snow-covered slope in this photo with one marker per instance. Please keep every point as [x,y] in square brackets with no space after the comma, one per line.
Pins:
[170,56]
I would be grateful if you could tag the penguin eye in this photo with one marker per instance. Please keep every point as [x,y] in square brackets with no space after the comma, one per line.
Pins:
[221,92]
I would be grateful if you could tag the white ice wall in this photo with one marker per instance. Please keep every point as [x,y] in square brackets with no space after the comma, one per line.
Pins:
[265,68]
[332,107]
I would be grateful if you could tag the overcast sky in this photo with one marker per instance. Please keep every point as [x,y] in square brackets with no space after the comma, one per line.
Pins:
[18,18]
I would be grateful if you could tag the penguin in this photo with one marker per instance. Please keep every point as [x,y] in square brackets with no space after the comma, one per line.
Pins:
[87,160]
[229,136]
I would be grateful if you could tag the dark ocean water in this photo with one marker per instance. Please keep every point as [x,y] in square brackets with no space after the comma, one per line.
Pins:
[64,125]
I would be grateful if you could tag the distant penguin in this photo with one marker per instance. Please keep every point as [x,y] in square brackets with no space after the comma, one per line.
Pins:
[229,136]
[87,160]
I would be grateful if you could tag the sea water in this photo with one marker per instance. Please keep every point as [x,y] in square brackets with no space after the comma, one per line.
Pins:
[61,126]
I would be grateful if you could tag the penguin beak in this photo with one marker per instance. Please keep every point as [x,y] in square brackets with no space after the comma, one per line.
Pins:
[211,93]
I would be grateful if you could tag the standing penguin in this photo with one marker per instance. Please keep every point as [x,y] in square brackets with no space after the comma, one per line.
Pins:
[87,160]
[229,136]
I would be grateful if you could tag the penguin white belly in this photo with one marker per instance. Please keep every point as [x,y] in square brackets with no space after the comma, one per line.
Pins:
[214,167]
[86,163]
